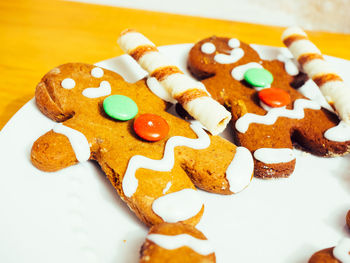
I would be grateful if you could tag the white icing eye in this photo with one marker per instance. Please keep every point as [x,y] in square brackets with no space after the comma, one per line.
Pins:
[97,72]
[68,83]
[234,43]
[208,48]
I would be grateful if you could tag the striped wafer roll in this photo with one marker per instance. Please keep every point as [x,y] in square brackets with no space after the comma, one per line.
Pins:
[314,65]
[191,94]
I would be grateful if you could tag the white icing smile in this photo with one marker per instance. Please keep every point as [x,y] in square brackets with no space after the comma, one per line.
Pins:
[103,90]
[235,55]
[130,183]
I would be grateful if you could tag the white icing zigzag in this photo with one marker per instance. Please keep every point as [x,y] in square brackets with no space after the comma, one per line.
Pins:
[242,124]
[130,183]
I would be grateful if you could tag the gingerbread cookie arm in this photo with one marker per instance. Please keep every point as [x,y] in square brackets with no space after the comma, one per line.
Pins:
[176,243]
[53,151]
[189,93]
[311,60]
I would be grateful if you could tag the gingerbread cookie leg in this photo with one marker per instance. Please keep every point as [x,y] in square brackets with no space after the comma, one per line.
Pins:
[176,243]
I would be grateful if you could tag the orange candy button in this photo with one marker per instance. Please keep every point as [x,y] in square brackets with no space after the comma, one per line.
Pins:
[274,97]
[151,127]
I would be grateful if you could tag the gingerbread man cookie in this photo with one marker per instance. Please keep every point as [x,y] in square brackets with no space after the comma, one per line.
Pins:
[269,113]
[174,243]
[153,159]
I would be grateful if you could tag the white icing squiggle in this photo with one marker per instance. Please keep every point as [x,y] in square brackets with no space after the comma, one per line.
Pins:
[339,133]
[158,90]
[130,183]
[239,172]
[274,155]
[208,48]
[200,246]
[289,65]
[178,206]
[97,72]
[236,54]
[342,250]
[68,83]
[103,90]
[238,72]
[242,124]
[78,141]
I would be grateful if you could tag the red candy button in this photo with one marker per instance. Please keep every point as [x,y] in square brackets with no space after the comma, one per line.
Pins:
[274,97]
[151,127]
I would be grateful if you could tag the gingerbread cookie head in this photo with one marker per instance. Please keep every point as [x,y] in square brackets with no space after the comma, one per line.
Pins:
[152,158]
[176,243]
[268,111]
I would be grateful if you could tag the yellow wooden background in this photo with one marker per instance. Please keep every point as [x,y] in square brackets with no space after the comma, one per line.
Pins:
[37,35]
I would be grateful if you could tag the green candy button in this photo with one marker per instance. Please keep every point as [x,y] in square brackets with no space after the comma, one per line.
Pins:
[120,107]
[258,77]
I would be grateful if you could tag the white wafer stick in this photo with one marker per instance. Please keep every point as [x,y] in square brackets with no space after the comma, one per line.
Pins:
[191,94]
[311,60]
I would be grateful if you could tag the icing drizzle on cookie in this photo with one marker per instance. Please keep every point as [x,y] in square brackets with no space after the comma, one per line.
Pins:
[339,133]
[103,90]
[130,183]
[158,90]
[342,250]
[178,206]
[201,246]
[239,172]
[238,72]
[242,124]
[289,66]
[274,155]
[78,141]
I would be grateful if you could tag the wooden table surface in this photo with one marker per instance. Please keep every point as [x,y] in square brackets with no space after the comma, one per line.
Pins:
[37,35]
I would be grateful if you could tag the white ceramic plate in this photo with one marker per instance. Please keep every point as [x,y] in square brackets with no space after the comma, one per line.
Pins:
[74,215]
